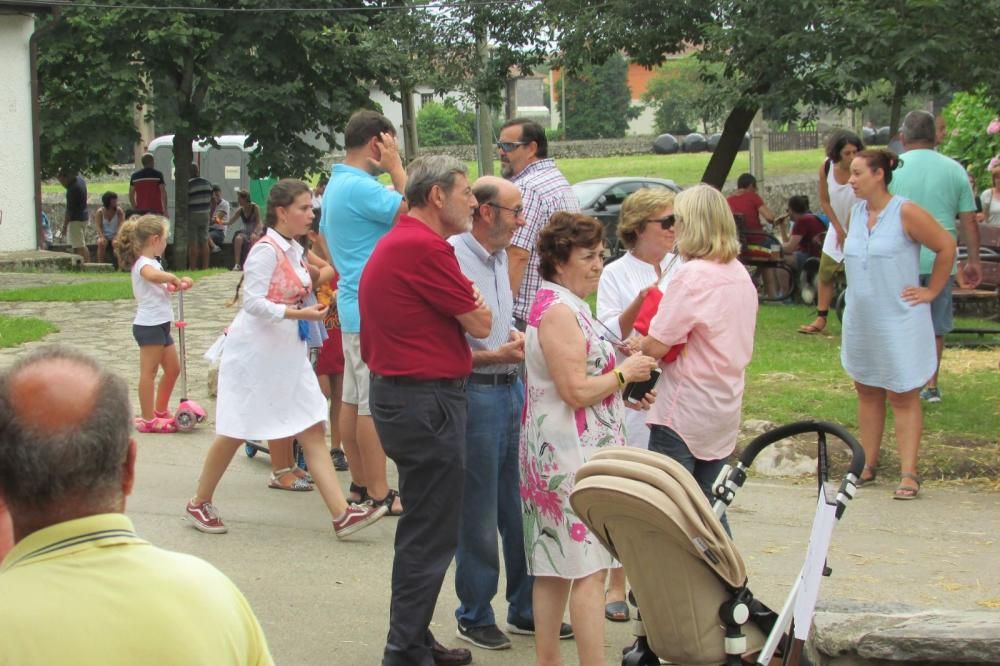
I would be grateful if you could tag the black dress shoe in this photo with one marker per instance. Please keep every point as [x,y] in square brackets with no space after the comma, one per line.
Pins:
[450,656]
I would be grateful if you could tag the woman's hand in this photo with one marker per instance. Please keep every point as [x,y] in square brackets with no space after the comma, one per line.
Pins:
[647,402]
[636,368]
[918,295]
[314,312]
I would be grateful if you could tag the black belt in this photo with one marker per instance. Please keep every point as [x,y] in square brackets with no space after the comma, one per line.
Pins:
[402,380]
[493,380]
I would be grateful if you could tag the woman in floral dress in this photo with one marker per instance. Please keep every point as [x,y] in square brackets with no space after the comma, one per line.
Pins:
[573,408]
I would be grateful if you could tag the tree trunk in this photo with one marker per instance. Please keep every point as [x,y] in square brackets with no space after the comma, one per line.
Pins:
[510,101]
[895,110]
[410,138]
[737,124]
[182,173]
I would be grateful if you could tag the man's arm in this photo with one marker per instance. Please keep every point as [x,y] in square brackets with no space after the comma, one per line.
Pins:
[511,351]
[517,262]
[478,322]
[163,197]
[973,271]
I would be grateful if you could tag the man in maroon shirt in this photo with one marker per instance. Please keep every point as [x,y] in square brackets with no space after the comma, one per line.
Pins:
[416,307]
[147,190]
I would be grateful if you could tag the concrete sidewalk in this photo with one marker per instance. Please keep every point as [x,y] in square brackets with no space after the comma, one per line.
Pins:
[321,600]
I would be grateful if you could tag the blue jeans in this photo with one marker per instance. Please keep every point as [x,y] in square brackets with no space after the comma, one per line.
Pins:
[492,501]
[666,441]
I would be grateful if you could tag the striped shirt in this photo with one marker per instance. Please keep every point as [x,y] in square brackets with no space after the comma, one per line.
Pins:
[489,273]
[544,191]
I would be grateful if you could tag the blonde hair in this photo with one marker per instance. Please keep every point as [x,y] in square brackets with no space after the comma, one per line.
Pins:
[133,236]
[705,229]
[639,207]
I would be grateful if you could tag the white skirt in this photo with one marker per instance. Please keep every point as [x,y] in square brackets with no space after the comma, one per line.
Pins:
[267,387]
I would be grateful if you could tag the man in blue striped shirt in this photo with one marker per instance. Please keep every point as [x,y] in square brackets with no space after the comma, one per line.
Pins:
[495,396]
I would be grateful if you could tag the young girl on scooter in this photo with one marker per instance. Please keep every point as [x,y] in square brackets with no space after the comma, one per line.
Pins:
[139,244]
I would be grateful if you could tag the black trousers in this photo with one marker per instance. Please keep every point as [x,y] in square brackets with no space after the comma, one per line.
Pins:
[422,429]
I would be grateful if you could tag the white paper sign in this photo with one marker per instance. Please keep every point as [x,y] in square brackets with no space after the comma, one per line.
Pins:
[232,173]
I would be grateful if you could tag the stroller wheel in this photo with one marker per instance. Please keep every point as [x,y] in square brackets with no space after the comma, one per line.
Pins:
[186,420]
[250,450]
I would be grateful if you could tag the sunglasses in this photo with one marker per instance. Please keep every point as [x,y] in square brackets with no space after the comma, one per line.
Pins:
[664,222]
[508,146]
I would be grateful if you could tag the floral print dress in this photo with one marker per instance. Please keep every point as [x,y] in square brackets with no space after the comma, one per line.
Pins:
[555,441]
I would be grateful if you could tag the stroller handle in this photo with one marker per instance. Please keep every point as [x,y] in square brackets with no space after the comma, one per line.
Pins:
[765,440]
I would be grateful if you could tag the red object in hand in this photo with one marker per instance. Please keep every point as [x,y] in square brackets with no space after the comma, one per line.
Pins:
[650,304]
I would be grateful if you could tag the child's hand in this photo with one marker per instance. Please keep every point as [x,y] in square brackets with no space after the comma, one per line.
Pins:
[186,283]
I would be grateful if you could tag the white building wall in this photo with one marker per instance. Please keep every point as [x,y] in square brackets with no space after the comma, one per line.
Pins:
[17,167]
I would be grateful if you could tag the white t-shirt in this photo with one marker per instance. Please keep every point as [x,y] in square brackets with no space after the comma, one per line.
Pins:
[152,299]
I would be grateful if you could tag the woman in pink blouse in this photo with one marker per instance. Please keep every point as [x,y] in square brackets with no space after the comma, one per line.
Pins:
[710,306]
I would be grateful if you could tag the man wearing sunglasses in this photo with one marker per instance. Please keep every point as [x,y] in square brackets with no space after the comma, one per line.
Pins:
[525,161]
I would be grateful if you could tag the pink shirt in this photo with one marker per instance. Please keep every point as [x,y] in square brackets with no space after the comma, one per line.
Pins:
[713,308]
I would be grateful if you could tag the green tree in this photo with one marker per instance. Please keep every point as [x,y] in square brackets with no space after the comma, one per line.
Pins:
[278,76]
[974,133]
[444,124]
[598,101]
[684,93]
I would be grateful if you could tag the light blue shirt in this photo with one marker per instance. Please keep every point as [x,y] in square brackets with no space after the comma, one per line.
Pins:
[489,273]
[357,212]
[938,184]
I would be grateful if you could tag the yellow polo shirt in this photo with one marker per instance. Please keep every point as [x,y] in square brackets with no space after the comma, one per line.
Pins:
[89,591]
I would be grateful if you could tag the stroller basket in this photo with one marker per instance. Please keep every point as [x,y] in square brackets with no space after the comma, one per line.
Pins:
[687,577]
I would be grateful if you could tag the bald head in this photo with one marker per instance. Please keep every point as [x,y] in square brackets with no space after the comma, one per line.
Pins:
[53,395]
[65,426]
[498,215]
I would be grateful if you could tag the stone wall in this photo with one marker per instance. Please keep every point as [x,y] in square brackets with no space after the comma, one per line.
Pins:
[632,145]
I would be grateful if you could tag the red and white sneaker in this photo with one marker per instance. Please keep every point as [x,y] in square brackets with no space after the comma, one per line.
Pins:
[357,517]
[205,518]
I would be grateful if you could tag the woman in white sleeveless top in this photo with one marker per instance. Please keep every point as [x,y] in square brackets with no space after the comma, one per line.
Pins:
[836,199]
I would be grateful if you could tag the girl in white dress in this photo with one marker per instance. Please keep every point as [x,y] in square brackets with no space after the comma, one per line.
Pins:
[267,388]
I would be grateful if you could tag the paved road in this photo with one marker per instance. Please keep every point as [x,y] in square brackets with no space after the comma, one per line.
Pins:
[323,601]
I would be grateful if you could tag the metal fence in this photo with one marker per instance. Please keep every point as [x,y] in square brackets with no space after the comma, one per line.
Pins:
[792,140]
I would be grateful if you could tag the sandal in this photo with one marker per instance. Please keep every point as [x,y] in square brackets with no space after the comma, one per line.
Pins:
[813,328]
[387,502]
[157,425]
[907,492]
[302,474]
[360,491]
[616,611]
[873,475]
[162,415]
[298,485]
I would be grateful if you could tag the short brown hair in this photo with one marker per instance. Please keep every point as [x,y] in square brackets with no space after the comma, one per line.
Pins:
[637,208]
[363,125]
[565,231]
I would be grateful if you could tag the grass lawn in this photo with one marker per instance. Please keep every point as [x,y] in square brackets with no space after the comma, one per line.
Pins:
[114,287]
[17,330]
[118,186]
[794,377]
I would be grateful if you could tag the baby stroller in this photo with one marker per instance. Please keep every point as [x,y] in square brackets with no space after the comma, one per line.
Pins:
[687,578]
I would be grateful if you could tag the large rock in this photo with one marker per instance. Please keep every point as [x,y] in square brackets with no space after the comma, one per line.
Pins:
[666,144]
[860,633]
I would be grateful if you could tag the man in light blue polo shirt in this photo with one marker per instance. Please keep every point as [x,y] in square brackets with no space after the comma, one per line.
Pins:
[357,212]
[495,395]
[940,185]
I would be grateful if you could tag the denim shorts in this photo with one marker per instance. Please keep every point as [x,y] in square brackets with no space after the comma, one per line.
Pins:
[152,335]
[941,307]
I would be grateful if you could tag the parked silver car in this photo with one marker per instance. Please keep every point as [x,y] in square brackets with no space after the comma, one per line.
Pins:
[603,197]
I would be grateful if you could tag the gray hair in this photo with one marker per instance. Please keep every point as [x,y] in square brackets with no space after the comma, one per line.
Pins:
[39,469]
[426,172]
[919,126]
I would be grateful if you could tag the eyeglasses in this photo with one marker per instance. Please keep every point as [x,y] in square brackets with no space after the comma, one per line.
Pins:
[517,211]
[664,222]
[508,146]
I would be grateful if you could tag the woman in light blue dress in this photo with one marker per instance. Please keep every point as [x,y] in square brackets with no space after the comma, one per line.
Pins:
[888,339]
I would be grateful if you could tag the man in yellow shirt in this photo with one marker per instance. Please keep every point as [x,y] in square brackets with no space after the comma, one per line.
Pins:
[79,586]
